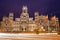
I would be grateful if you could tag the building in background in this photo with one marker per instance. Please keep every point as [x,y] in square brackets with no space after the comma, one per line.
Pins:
[27,24]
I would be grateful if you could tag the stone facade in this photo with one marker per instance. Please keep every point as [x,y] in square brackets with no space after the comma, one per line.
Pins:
[26,23]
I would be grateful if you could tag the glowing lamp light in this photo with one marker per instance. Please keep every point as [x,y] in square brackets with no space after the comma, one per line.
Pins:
[24,7]
[45,17]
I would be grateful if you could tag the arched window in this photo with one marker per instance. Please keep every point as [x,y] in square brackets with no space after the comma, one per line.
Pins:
[25,29]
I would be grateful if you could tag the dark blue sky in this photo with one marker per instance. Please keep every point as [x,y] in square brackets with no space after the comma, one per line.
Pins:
[50,7]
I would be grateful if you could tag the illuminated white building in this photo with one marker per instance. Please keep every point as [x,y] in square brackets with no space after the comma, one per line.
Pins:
[25,23]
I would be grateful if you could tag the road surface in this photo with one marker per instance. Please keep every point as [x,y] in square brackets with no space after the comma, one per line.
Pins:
[22,36]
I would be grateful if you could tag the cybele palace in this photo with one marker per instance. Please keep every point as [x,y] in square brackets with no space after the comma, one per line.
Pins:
[27,24]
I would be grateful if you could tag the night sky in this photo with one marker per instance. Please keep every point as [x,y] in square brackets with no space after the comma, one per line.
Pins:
[50,7]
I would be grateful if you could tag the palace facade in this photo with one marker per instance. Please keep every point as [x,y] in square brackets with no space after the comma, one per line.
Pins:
[26,23]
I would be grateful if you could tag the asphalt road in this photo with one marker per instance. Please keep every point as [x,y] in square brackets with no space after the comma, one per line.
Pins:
[42,36]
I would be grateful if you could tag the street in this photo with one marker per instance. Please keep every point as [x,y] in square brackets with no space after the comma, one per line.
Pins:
[26,36]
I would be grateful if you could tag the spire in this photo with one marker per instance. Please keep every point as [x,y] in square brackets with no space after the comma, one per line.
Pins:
[24,9]
[36,14]
[11,16]
[24,12]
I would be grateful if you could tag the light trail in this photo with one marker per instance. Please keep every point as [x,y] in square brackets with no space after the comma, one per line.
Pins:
[24,34]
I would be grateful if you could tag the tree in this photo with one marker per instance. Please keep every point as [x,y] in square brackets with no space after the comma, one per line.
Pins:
[36,30]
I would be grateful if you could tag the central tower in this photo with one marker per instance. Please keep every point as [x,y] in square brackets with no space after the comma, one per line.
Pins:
[24,19]
[24,9]
[24,12]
